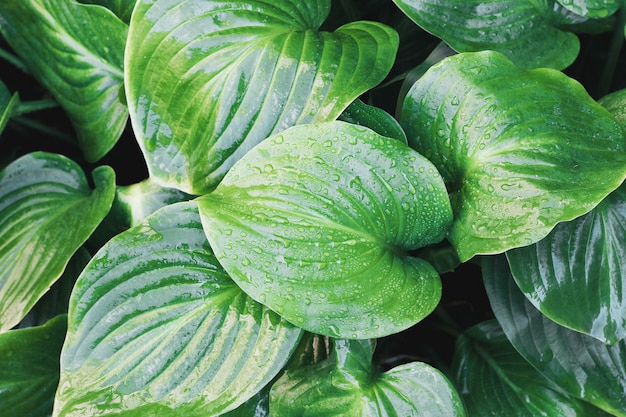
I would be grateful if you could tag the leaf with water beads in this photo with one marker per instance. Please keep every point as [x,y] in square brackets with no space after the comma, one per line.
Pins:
[316,223]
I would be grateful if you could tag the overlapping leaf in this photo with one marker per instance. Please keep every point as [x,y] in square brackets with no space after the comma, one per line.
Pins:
[315,223]
[520,150]
[122,8]
[7,104]
[29,368]
[579,364]
[517,29]
[208,80]
[592,8]
[616,104]
[581,263]
[496,381]
[47,211]
[156,327]
[76,51]
[347,385]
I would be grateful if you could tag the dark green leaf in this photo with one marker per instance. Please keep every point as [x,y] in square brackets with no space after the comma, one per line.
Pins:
[496,381]
[515,28]
[29,368]
[122,8]
[8,103]
[76,51]
[520,150]
[208,80]
[347,385]
[315,223]
[47,211]
[378,120]
[579,364]
[157,328]
[580,263]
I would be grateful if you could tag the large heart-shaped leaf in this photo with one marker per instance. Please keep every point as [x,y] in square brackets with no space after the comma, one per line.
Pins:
[579,364]
[29,368]
[520,150]
[76,51]
[347,385]
[495,380]
[315,223]
[516,28]
[207,80]
[592,8]
[581,263]
[47,211]
[156,327]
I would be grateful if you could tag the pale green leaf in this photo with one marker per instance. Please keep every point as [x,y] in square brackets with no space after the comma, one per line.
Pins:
[516,28]
[347,384]
[579,364]
[580,263]
[592,8]
[157,328]
[208,80]
[76,51]
[316,223]
[47,211]
[520,150]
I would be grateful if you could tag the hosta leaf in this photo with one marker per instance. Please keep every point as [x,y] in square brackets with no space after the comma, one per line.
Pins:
[616,104]
[520,150]
[7,103]
[581,263]
[156,327]
[378,120]
[122,8]
[29,368]
[207,80]
[76,51]
[314,223]
[579,364]
[517,29]
[347,385]
[495,380]
[47,211]
[592,8]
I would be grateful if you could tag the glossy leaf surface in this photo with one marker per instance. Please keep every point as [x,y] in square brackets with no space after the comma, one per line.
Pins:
[208,80]
[495,380]
[520,150]
[156,327]
[616,104]
[314,223]
[581,263]
[29,368]
[75,51]
[347,385]
[515,28]
[592,8]
[579,364]
[378,120]
[42,197]
[122,8]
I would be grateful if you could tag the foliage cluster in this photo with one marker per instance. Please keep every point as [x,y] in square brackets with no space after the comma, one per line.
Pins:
[283,195]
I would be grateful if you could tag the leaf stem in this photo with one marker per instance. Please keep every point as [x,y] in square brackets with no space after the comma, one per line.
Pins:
[614,52]
[32,106]
[14,60]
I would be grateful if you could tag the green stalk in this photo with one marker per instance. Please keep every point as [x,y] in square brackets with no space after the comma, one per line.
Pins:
[616,46]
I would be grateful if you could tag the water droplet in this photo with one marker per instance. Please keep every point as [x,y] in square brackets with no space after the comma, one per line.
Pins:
[245,261]
[307,301]
[278,140]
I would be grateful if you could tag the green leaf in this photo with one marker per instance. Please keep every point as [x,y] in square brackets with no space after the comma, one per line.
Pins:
[592,8]
[494,380]
[615,103]
[76,51]
[347,385]
[122,8]
[47,211]
[520,150]
[315,223]
[579,364]
[581,263]
[516,28]
[378,120]
[208,80]
[8,103]
[29,368]
[156,327]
